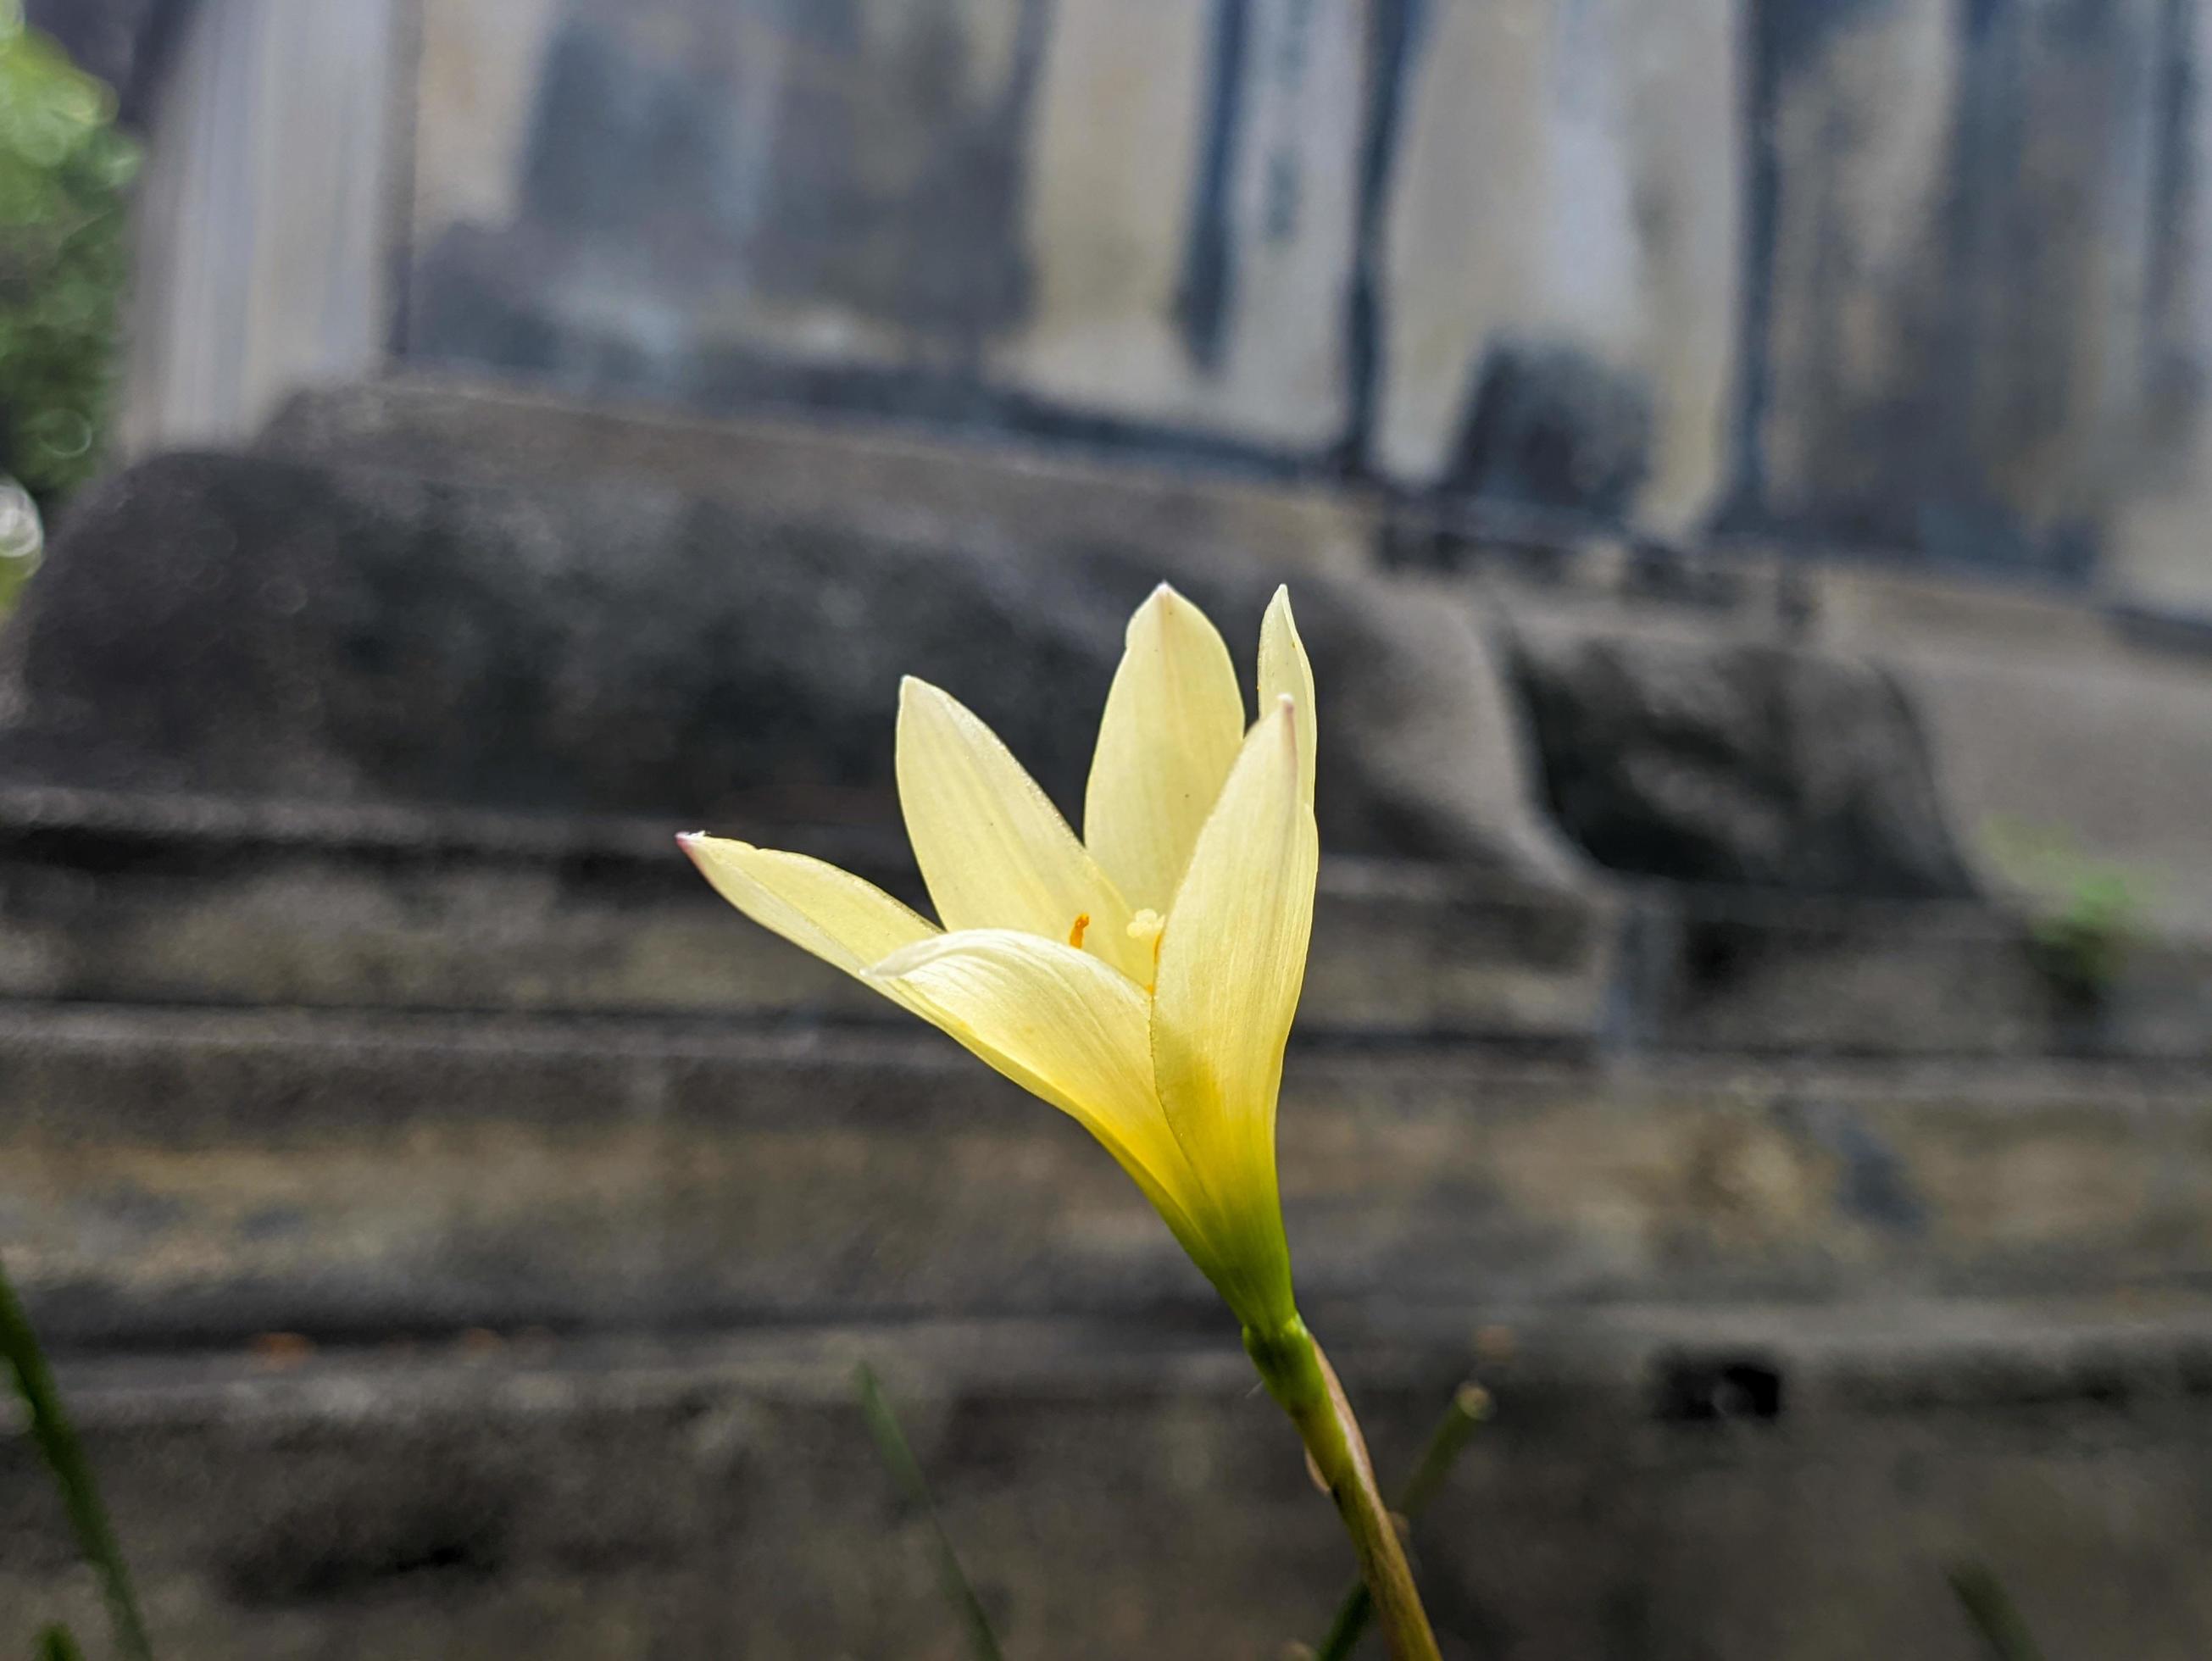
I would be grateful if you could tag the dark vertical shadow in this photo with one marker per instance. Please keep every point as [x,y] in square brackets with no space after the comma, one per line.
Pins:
[1207,293]
[1767,29]
[1394,27]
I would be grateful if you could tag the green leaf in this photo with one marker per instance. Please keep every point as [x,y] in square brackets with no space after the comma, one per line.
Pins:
[58,1442]
[1989,1609]
[906,1473]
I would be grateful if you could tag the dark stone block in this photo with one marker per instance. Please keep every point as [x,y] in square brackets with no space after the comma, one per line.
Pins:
[1738,762]
[1547,427]
[270,628]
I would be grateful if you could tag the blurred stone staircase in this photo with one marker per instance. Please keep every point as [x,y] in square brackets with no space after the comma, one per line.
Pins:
[459,1228]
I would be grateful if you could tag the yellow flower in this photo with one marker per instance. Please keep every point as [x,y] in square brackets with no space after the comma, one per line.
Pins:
[1142,979]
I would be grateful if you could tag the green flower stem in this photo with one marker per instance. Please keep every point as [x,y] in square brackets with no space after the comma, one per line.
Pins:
[1299,1378]
[1470,1405]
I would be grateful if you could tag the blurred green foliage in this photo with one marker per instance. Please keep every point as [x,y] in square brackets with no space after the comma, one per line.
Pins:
[2086,914]
[64,169]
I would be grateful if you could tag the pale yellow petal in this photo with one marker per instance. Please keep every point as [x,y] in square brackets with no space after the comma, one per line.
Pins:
[833,913]
[1231,963]
[994,851]
[1173,723]
[1285,671]
[1064,1026]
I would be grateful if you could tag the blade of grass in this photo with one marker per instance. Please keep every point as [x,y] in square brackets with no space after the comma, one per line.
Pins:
[1470,1405]
[906,1474]
[65,1456]
[1990,1611]
[55,1643]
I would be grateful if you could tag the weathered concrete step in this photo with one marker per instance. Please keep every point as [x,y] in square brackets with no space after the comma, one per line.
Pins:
[167,900]
[1765,1484]
[172,899]
[183,1176]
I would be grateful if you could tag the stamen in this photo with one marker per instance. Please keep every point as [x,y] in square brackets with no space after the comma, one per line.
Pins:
[1075,935]
[1149,925]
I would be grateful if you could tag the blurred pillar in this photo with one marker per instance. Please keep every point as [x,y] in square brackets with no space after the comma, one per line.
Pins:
[2162,554]
[1956,219]
[1851,131]
[1559,270]
[1192,202]
[265,216]
[2055,247]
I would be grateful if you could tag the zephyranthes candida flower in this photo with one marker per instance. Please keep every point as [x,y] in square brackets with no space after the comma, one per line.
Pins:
[1141,979]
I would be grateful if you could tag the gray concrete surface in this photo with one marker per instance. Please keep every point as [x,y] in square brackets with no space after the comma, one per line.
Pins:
[1775,1484]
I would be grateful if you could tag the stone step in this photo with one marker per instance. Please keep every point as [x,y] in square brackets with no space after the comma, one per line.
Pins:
[185,1177]
[113,898]
[117,897]
[1760,1485]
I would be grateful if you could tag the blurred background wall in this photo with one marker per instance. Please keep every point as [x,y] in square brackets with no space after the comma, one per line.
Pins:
[1925,277]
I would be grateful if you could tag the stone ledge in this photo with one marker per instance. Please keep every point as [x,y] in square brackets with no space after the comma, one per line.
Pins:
[1898,1355]
[114,897]
[121,897]
[1729,969]
[179,1177]
[1116,1491]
